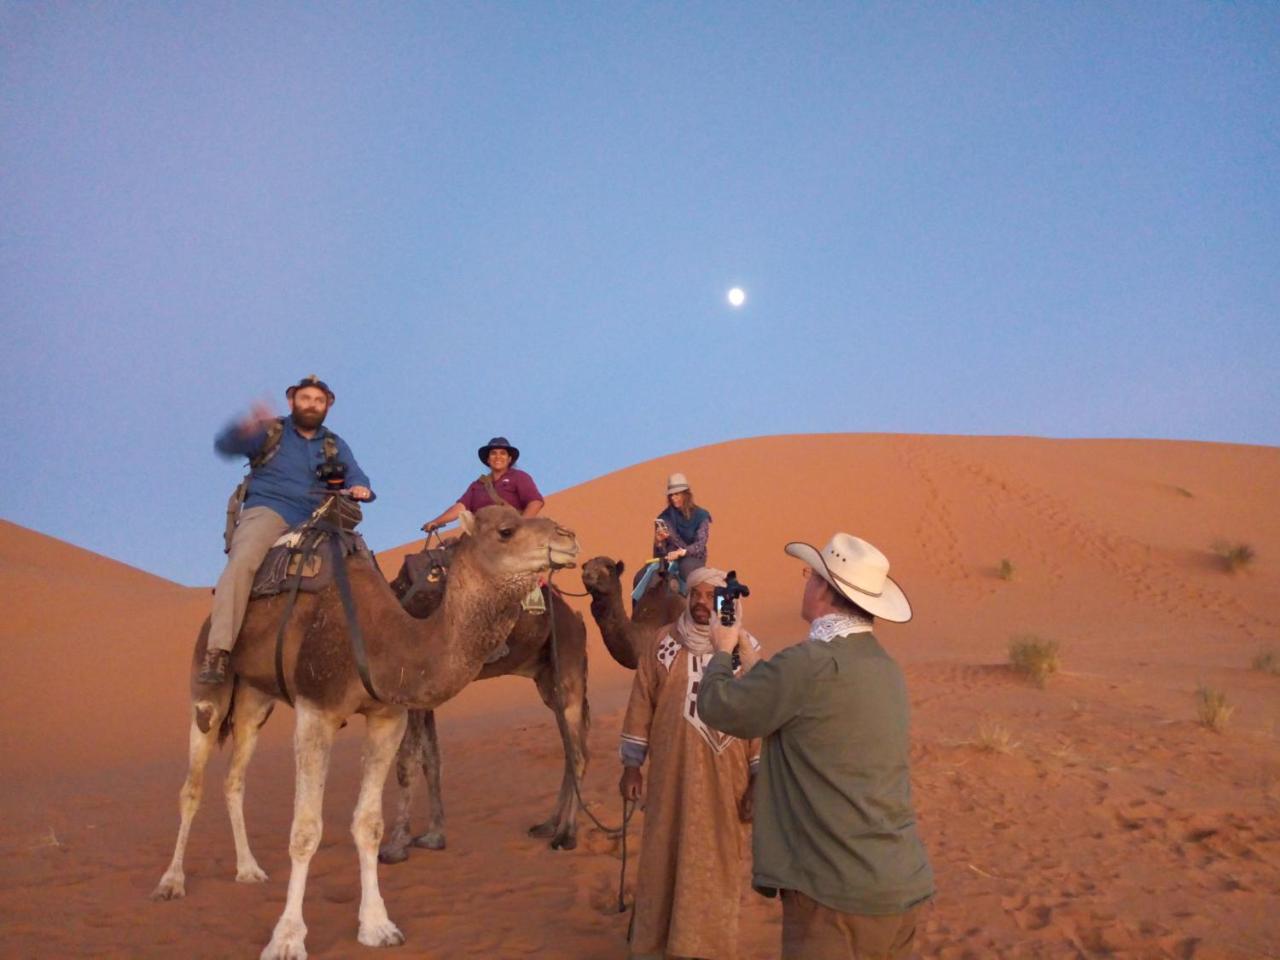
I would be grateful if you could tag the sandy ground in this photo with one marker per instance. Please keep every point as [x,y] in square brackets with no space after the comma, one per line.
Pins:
[1112,825]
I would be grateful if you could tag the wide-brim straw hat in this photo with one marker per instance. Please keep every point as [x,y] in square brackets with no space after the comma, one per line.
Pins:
[858,572]
[498,443]
[677,483]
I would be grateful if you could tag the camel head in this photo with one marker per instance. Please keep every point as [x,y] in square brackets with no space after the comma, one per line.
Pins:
[602,576]
[507,547]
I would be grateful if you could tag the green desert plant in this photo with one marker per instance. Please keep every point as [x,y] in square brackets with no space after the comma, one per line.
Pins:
[1036,659]
[1006,569]
[1213,708]
[1267,662]
[1234,556]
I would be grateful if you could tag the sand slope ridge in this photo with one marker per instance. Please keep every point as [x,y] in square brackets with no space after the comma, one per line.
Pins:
[1094,817]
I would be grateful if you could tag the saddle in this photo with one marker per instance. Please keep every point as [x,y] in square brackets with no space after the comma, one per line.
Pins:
[302,548]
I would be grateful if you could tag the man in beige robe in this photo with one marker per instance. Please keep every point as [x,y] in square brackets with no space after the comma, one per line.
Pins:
[699,793]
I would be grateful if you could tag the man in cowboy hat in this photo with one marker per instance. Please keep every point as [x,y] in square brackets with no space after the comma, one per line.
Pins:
[835,831]
[283,490]
[699,792]
[502,484]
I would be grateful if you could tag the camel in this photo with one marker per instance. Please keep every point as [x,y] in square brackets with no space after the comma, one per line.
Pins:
[413,664]
[625,637]
[528,655]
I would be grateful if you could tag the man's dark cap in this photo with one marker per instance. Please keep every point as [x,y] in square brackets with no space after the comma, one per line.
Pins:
[310,380]
[498,443]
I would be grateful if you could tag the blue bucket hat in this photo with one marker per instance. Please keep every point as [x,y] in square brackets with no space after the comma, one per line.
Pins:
[498,443]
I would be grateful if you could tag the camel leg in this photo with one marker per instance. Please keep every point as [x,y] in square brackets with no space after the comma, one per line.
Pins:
[249,713]
[199,746]
[383,733]
[395,849]
[433,839]
[312,741]
[562,827]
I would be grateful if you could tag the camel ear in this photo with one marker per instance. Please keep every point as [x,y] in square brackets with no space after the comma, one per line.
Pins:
[467,520]
[619,566]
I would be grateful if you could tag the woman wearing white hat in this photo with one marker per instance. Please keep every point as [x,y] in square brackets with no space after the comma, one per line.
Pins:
[680,531]
[834,830]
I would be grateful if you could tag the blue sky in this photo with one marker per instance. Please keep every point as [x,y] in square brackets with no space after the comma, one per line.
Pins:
[1050,219]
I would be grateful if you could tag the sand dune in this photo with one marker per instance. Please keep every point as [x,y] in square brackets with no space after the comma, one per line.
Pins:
[1115,825]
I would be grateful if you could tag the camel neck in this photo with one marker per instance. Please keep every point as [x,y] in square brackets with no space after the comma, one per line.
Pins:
[453,643]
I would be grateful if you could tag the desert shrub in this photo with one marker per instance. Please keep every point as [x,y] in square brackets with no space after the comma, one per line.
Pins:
[994,738]
[1213,708]
[1267,662]
[1036,659]
[1234,556]
[1006,569]
[1184,491]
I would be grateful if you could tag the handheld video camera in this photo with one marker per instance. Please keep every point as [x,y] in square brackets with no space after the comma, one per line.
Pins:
[333,474]
[727,596]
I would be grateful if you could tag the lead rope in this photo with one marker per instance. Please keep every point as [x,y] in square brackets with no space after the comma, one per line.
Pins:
[628,806]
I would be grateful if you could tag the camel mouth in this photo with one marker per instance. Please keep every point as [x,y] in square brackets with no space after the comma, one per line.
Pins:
[563,557]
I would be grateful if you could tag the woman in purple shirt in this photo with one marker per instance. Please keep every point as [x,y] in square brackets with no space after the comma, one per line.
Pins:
[503,481]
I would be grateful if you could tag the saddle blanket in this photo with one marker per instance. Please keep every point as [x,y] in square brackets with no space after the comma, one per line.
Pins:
[302,547]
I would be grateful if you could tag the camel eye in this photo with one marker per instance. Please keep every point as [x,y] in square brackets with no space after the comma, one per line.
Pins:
[506,533]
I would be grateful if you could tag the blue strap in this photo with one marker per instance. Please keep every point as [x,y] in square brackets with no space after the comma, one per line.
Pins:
[643,584]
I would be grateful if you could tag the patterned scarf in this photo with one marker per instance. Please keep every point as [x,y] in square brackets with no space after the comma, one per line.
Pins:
[827,628]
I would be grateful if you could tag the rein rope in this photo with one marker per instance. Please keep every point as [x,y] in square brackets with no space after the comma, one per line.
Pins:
[628,806]
[310,542]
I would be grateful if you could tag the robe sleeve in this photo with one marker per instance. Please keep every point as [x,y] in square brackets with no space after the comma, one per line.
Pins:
[644,694]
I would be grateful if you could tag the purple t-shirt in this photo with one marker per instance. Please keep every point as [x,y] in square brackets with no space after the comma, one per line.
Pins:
[515,486]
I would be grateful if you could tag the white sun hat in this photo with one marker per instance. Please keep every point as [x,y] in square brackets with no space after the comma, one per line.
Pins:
[859,572]
[677,483]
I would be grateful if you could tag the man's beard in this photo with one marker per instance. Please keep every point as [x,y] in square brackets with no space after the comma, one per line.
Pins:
[309,419]
[700,615]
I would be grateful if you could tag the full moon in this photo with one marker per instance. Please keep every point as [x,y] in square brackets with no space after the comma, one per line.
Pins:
[736,297]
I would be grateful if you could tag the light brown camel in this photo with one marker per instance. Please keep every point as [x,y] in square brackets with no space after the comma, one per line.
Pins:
[413,663]
[626,637]
[528,655]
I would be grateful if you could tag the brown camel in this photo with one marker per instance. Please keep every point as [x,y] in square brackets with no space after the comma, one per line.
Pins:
[625,637]
[528,655]
[413,663]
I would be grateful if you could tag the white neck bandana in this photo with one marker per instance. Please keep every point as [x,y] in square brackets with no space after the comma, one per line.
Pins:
[827,628]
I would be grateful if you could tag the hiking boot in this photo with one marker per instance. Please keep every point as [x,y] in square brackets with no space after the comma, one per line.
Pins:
[213,667]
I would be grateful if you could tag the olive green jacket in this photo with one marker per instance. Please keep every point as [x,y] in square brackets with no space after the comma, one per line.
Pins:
[833,814]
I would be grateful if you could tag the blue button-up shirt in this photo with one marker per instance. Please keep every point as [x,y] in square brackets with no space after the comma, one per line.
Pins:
[287,482]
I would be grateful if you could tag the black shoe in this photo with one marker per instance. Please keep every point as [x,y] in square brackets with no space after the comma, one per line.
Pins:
[213,668]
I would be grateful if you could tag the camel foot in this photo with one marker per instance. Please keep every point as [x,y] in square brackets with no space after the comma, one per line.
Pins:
[393,854]
[568,841]
[383,933]
[251,873]
[170,887]
[288,942]
[432,840]
[544,831]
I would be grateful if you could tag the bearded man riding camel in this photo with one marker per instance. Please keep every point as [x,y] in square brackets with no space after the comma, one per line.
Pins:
[288,457]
